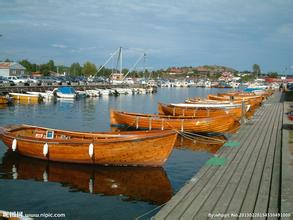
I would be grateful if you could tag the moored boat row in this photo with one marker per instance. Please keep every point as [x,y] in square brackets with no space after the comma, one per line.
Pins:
[150,147]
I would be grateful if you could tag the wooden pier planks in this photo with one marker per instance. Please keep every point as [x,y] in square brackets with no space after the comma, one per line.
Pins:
[248,182]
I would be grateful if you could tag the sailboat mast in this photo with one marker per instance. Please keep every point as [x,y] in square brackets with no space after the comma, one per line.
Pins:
[144,63]
[120,60]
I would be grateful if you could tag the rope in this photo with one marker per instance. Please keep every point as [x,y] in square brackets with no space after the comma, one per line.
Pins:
[148,212]
[198,135]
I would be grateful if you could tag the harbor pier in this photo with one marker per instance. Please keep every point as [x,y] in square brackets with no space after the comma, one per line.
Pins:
[251,176]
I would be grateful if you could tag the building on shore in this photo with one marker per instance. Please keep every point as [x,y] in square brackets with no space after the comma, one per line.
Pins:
[11,69]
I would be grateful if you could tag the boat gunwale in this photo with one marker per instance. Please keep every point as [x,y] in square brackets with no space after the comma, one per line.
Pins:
[120,138]
[171,117]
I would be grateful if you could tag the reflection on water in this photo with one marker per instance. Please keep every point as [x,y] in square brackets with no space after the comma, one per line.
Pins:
[147,184]
[196,143]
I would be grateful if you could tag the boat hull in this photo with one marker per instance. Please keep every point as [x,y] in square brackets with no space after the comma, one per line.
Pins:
[217,124]
[3,100]
[26,97]
[137,150]
[252,101]
[199,112]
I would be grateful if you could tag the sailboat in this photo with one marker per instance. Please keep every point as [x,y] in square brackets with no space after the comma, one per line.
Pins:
[118,77]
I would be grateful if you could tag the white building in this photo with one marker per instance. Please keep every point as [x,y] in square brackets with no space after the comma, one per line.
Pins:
[11,69]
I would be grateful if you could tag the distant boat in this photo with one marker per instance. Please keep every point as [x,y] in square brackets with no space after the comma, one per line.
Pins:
[202,110]
[253,101]
[66,92]
[26,97]
[137,148]
[45,95]
[4,100]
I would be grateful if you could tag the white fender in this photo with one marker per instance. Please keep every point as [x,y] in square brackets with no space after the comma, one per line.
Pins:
[14,172]
[45,176]
[91,150]
[91,185]
[14,144]
[45,149]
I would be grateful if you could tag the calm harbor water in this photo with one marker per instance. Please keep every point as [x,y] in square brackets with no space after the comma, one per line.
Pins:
[92,192]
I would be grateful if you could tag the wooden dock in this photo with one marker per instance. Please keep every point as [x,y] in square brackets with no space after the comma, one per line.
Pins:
[245,178]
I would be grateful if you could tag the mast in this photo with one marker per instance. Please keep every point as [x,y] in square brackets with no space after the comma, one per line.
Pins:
[144,63]
[138,60]
[119,60]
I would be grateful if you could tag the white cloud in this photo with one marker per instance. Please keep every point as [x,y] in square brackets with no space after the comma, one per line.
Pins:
[61,46]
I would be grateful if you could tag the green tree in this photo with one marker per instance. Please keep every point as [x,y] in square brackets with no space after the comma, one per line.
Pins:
[256,70]
[28,66]
[51,66]
[75,69]
[89,69]
[44,69]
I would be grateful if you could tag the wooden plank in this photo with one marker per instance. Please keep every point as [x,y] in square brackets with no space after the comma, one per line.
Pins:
[198,193]
[263,195]
[179,203]
[233,196]
[235,166]
[274,200]
[254,175]
[217,190]
[181,195]
[176,214]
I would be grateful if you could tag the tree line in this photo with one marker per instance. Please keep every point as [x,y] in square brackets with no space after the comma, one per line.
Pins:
[90,69]
[76,69]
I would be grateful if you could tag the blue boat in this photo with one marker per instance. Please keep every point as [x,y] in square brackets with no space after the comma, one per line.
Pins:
[66,92]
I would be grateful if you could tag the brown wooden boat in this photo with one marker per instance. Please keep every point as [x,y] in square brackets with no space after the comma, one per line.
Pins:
[137,148]
[209,101]
[183,123]
[164,109]
[253,101]
[149,184]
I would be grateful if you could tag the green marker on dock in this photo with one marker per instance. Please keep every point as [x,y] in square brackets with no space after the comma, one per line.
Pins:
[232,144]
[216,161]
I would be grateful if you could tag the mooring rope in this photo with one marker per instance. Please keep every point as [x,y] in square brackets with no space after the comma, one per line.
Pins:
[148,212]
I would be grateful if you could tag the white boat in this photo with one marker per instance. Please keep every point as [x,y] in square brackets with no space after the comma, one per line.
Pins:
[65,92]
[123,91]
[92,93]
[45,95]
[208,84]
[104,92]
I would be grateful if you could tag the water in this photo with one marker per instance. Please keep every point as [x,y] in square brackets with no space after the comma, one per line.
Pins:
[92,192]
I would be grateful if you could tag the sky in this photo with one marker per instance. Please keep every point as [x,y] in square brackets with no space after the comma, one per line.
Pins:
[233,33]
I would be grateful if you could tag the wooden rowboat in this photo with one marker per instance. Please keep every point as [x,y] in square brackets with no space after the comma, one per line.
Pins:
[200,111]
[197,100]
[253,101]
[215,124]
[149,184]
[138,148]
